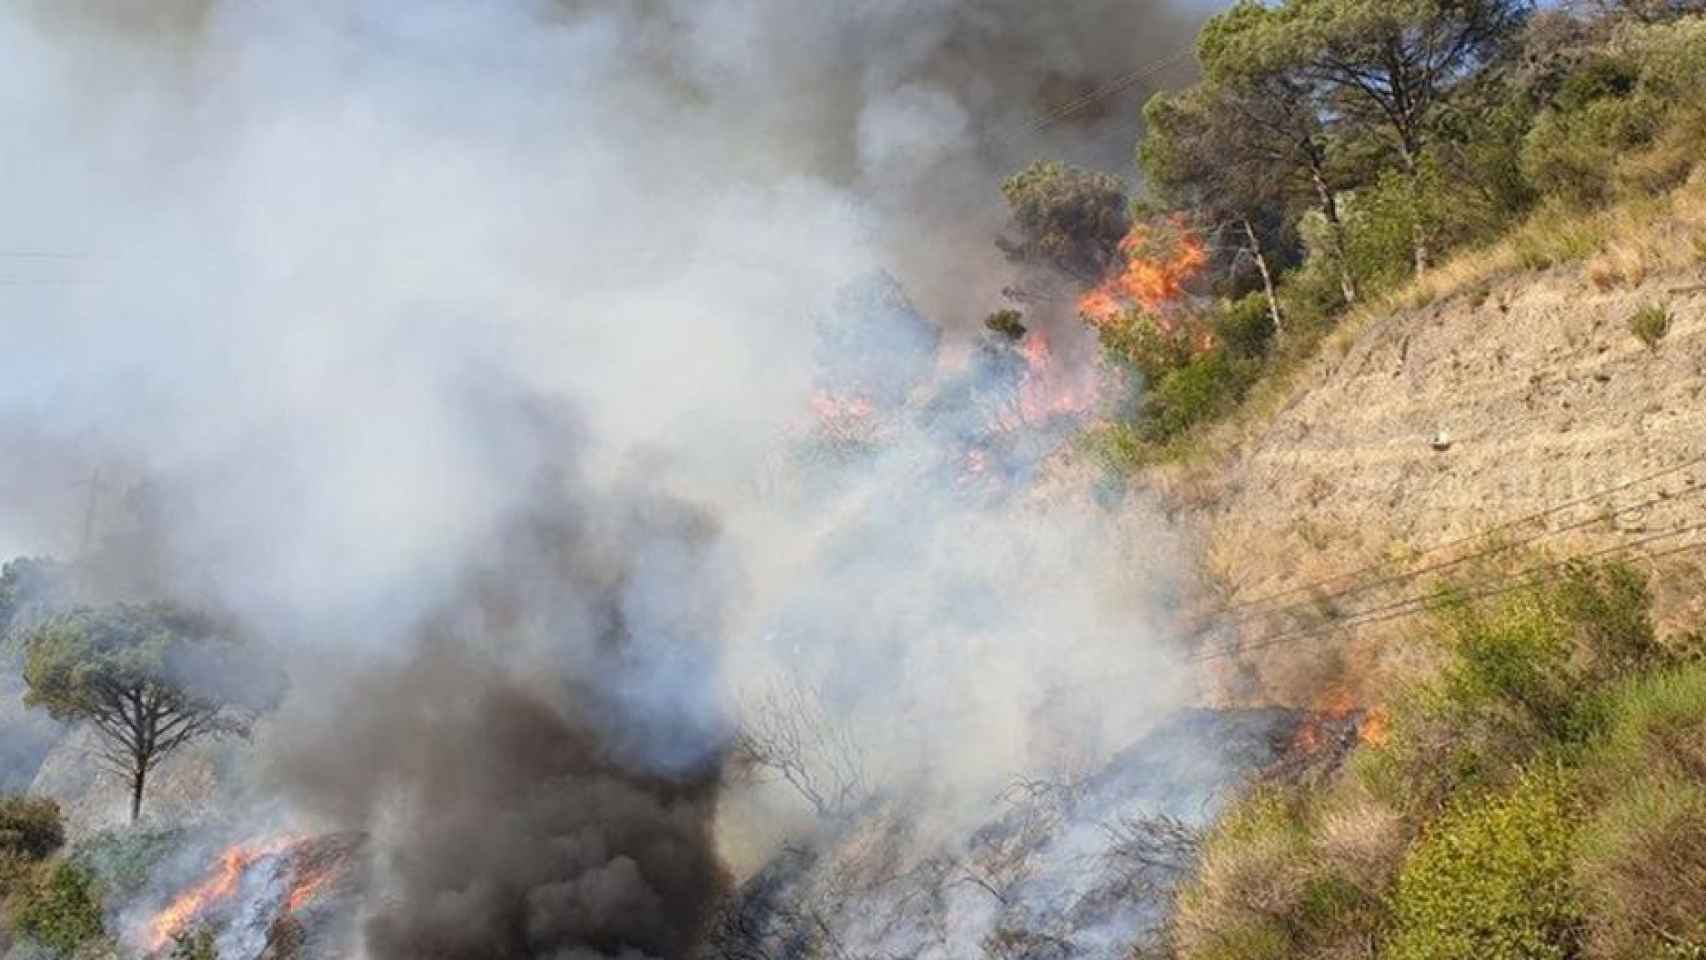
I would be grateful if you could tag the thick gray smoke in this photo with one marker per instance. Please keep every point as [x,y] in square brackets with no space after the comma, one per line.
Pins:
[533,798]
[271,263]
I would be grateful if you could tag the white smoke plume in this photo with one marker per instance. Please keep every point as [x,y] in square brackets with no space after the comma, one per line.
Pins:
[290,288]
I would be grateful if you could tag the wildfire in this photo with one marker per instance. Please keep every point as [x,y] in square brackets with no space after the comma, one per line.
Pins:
[309,870]
[1048,390]
[192,903]
[1159,267]
[1336,711]
[306,888]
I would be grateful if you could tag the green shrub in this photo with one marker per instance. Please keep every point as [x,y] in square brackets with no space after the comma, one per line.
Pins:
[1245,327]
[1138,341]
[1202,390]
[1491,880]
[1650,324]
[60,907]
[1523,677]
[1642,865]
[1574,155]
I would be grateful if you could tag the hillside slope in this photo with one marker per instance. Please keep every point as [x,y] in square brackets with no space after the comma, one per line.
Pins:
[1435,424]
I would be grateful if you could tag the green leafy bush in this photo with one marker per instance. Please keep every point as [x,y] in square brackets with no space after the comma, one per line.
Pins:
[1520,678]
[1203,389]
[1245,327]
[1650,324]
[1573,155]
[60,907]
[1139,342]
[1491,880]
[1656,730]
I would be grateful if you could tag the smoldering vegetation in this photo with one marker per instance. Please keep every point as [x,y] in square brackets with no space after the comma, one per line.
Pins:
[583,404]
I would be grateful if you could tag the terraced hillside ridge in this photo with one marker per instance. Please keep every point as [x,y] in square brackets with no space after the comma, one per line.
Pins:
[1432,425]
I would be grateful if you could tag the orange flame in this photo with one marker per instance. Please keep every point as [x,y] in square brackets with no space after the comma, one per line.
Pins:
[192,903]
[1049,391]
[1338,707]
[1376,727]
[308,887]
[1158,269]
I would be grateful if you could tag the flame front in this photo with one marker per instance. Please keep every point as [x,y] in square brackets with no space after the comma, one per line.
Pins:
[307,887]
[222,883]
[1159,267]
[1049,389]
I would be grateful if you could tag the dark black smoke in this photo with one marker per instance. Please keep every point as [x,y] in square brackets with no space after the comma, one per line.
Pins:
[541,769]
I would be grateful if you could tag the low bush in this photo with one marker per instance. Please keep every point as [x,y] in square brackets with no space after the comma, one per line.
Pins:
[1278,879]
[1245,327]
[1491,879]
[1520,678]
[1197,392]
[59,907]
[1643,860]
[30,826]
[30,831]
[1650,324]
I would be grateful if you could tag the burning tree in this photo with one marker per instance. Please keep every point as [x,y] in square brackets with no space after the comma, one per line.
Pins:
[149,679]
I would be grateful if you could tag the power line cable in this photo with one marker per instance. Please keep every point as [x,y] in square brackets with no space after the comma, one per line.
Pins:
[1420,603]
[1468,538]
[1119,84]
[1506,547]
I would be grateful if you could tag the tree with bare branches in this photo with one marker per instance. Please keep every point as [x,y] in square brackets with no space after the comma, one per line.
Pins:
[788,734]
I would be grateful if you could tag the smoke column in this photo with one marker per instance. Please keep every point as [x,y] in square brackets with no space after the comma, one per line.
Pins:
[459,349]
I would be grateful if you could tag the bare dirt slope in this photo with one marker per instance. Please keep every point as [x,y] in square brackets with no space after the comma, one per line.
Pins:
[1433,425]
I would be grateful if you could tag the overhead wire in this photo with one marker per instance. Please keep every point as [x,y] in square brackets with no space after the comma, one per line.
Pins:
[1421,603]
[1498,548]
[1521,521]
[1119,84]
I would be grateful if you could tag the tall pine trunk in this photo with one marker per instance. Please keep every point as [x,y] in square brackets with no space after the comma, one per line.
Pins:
[137,777]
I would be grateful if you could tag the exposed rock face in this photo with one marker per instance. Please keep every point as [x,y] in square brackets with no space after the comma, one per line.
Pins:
[93,798]
[1546,397]
[1060,870]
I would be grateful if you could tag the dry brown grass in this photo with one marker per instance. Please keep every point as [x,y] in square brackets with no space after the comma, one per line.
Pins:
[1256,866]
[1365,840]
